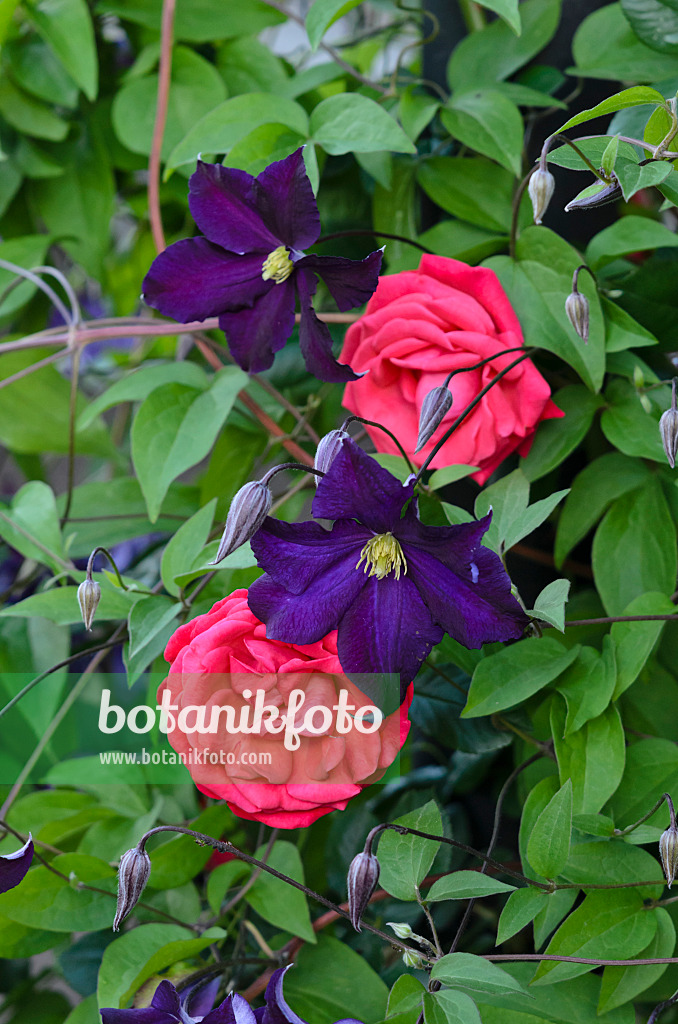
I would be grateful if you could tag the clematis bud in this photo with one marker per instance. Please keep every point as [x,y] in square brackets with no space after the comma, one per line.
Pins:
[363,875]
[609,194]
[249,508]
[541,188]
[133,872]
[668,428]
[402,930]
[89,593]
[328,448]
[577,309]
[411,959]
[436,404]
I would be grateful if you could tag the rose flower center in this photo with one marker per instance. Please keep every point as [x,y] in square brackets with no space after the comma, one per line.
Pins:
[277,266]
[382,554]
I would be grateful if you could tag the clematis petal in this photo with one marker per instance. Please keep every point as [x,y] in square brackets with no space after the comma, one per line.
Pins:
[388,628]
[474,604]
[351,282]
[147,1015]
[194,279]
[224,204]
[286,202]
[309,616]
[254,335]
[198,999]
[315,339]
[277,1009]
[14,866]
[356,487]
[233,1010]
[294,554]
[454,546]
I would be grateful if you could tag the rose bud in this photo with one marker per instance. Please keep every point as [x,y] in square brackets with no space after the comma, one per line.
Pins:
[541,188]
[436,404]
[668,428]
[133,872]
[328,448]
[668,851]
[363,875]
[249,508]
[577,309]
[89,593]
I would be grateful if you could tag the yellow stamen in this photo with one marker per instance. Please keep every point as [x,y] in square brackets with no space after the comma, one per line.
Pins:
[382,554]
[277,266]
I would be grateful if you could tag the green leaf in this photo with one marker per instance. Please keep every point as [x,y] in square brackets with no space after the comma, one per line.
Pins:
[351,123]
[185,546]
[621,330]
[323,14]
[550,604]
[605,46]
[463,885]
[609,156]
[196,88]
[616,861]
[512,518]
[139,384]
[49,902]
[608,925]
[514,673]
[67,26]
[407,993]
[449,475]
[462,241]
[633,177]
[548,847]
[628,425]
[142,952]
[588,685]
[60,604]
[277,902]
[199,21]
[436,708]
[28,251]
[622,984]
[521,907]
[655,22]
[495,52]
[557,438]
[36,69]
[150,624]
[222,878]
[246,65]
[634,548]
[263,146]
[176,427]
[349,984]
[593,757]
[489,123]
[651,769]
[28,115]
[633,641]
[620,101]
[469,188]
[449,1006]
[506,9]
[465,970]
[220,129]
[33,514]
[627,235]
[416,110]
[405,860]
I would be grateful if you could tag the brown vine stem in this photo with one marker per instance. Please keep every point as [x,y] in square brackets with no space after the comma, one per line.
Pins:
[604,620]
[164,77]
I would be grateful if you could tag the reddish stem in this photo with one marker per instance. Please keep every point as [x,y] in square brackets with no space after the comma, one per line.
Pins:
[164,76]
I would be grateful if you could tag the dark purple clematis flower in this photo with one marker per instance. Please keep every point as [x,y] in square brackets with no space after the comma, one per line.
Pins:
[391,584]
[168,1007]
[14,866]
[250,266]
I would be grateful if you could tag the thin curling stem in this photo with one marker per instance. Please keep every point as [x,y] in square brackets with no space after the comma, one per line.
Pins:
[109,556]
[373,423]
[483,362]
[290,465]
[575,276]
[563,138]
[36,280]
[658,1010]
[631,828]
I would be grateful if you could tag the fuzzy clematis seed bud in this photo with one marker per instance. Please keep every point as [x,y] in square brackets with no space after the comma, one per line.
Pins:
[668,851]
[89,593]
[411,959]
[402,930]
[668,428]
[328,448]
[577,309]
[437,403]
[249,508]
[363,875]
[541,188]
[133,872]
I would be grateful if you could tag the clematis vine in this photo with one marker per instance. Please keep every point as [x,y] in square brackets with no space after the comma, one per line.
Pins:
[14,866]
[193,1005]
[389,583]
[250,266]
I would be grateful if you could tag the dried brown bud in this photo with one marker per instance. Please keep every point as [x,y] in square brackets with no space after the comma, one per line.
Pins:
[541,188]
[133,872]
[328,448]
[89,593]
[577,309]
[363,875]
[437,403]
[668,851]
[249,508]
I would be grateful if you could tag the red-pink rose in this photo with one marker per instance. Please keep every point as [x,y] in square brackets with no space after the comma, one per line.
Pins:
[213,659]
[419,325]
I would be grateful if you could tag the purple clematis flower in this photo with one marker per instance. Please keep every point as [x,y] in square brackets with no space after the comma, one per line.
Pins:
[14,866]
[168,1007]
[250,266]
[391,584]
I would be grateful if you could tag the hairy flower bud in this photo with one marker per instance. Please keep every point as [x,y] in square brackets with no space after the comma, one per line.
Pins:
[89,593]
[436,404]
[577,309]
[402,930]
[411,959]
[668,428]
[668,851]
[249,508]
[133,872]
[363,875]
[541,188]
[328,448]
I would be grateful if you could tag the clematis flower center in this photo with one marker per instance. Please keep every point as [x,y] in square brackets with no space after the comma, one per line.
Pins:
[381,555]
[277,266]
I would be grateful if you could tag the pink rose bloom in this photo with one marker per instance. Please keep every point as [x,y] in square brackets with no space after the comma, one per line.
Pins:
[419,325]
[212,661]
